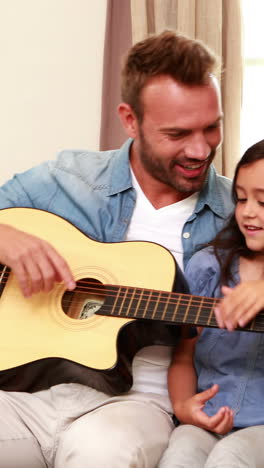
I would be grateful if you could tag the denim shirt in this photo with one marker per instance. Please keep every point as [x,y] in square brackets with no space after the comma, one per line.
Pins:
[93,190]
[233,360]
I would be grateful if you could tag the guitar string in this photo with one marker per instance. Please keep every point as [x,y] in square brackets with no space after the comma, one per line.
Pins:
[102,290]
[172,297]
[191,318]
[183,300]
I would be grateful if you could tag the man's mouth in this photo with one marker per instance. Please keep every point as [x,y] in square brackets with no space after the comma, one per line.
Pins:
[193,167]
[192,170]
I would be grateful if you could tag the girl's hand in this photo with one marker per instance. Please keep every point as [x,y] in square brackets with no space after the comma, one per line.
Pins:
[191,412]
[240,305]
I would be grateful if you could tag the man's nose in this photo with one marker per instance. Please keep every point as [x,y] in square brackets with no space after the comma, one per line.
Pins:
[197,147]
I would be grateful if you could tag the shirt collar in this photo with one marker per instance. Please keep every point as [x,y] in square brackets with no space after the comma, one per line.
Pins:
[212,196]
[120,175]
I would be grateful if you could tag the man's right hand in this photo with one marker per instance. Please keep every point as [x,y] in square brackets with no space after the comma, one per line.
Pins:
[35,263]
[191,412]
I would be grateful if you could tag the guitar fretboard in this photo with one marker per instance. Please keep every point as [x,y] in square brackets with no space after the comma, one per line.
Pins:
[176,308]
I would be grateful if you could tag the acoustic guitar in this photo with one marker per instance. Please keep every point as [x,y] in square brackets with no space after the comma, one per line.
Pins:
[128,295]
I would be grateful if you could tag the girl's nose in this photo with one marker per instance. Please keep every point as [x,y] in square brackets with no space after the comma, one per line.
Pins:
[249,210]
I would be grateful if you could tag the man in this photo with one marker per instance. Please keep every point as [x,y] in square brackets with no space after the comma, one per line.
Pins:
[160,186]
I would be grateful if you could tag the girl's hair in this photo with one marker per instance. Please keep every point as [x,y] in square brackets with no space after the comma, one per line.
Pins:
[230,242]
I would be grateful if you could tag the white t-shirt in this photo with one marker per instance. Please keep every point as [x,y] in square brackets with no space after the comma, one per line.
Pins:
[163,226]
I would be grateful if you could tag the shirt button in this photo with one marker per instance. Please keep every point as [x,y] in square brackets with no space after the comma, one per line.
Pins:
[186,235]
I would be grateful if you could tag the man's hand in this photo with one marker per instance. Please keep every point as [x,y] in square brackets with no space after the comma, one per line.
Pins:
[191,412]
[36,264]
[240,305]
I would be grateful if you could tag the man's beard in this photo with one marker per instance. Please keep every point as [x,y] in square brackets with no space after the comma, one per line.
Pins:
[156,169]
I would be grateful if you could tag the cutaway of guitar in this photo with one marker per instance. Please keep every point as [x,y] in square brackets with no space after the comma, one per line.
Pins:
[123,301]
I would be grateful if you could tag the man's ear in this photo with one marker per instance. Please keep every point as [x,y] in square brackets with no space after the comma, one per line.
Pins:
[128,119]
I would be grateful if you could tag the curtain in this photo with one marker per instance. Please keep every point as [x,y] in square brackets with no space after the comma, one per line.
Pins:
[218,24]
[118,39]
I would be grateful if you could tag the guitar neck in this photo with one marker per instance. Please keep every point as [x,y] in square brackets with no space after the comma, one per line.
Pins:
[174,308]
[148,304]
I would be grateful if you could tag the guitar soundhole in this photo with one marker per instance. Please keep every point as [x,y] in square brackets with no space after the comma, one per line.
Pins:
[85,300]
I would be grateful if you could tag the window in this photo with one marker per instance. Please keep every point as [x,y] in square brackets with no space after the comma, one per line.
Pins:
[252,115]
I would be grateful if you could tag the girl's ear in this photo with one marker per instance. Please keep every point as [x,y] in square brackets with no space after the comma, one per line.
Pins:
[128,119]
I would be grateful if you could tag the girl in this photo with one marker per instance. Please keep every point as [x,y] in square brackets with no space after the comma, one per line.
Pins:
[216,381]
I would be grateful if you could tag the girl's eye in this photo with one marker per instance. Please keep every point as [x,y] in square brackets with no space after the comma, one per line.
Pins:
[261,203]
[241,200]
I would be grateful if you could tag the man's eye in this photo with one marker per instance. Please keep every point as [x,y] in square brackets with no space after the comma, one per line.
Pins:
[214,126]
[177,135]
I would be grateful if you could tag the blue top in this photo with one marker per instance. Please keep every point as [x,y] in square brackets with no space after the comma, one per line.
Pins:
[93,190]
[233,360]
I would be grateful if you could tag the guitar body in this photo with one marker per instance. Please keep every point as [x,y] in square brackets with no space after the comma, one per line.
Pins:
[66,336]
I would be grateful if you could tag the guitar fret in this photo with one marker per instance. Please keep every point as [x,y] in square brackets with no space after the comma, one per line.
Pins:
[143,304]
[121,307]
[156,305]
[187,310]
[147,305]
[198,313]
[210,315]
[257,323]
[213,320]
[252,325]
[114,306]
[135,313]
[174,310]
[4,274]
[165,306]
[179,312]
[169,308]
[130,302]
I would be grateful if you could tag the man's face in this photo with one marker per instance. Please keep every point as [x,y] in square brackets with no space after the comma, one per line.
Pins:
[180,132]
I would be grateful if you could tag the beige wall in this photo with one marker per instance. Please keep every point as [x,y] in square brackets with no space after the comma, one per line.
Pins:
[51,54]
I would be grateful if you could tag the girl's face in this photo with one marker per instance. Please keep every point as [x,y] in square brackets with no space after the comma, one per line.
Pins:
[250,204]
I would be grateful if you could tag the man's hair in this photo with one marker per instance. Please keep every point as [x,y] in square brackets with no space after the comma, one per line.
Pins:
[187,61]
